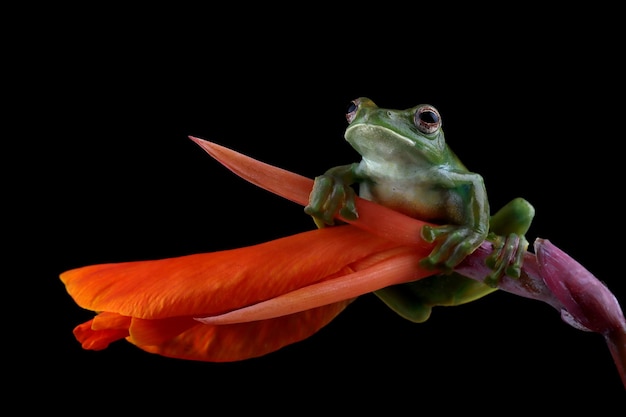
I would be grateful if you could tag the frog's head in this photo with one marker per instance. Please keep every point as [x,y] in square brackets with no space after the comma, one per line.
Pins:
[411,134]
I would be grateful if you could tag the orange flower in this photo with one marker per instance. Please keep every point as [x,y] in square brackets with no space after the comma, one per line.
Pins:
[247,302]
[153,304]
[162,306]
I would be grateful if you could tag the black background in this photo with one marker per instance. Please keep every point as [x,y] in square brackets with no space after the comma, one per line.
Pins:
[110,175]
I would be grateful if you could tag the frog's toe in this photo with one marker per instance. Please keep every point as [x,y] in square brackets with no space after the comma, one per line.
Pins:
[436,259]
[428,233]
[434,263]
[493,279]
[514,271]
[458,253]
[348,213]
[516,267]
[431,233]
[320,223]
[348,210]
[428,263]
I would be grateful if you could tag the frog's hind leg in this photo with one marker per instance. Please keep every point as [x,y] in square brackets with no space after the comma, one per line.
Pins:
[404,303]
[414,300]
[514,217]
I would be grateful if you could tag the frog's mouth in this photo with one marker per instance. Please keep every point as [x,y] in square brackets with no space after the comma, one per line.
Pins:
[381,142]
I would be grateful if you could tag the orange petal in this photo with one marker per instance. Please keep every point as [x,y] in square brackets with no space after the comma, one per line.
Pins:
[185,338]
[279,181]
[234,342]
[147,332]
[213,283]
[373,217]
[395,266]
[99,332]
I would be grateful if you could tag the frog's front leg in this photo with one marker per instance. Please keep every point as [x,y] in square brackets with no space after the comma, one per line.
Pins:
[507,233]
[333,195]
[467,210]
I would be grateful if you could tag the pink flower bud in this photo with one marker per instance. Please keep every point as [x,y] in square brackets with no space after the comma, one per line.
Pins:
[588,302]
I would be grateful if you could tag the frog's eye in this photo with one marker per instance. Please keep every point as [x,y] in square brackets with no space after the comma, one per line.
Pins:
[427,119]
[352,108]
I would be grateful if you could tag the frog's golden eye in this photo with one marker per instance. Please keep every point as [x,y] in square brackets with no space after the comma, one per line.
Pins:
[352,108]
[427,119]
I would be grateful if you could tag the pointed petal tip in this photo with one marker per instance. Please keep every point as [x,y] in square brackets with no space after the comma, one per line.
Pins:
[204,144]
[208,146]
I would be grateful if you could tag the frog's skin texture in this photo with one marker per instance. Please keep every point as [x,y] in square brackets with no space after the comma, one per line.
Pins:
[406,165]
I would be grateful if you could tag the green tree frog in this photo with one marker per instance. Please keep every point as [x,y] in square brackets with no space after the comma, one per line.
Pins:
[406,165]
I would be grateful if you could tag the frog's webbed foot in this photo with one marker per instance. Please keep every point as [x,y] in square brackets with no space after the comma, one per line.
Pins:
[507,257]
[331,197]
[454,243]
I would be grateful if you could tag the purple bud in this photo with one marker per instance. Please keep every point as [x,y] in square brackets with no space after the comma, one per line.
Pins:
[589,303]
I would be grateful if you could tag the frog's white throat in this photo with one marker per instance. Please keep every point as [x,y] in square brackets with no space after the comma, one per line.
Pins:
[380,145]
